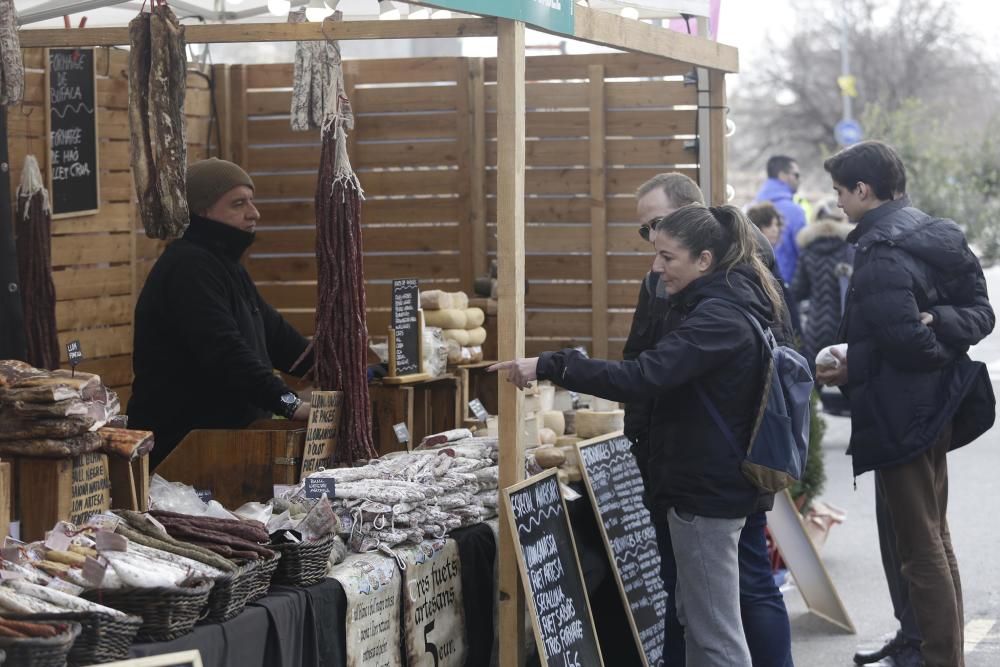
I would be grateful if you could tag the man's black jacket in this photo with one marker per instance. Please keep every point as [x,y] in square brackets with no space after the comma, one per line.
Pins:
[907,381]
[206,343]
[689,464]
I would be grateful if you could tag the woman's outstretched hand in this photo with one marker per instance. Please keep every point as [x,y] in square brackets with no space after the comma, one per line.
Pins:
[522,372]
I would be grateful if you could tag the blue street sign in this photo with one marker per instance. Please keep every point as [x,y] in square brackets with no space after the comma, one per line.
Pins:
[848,132]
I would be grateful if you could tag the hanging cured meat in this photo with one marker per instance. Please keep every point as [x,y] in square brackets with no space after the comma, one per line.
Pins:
[33,227]
[341,339]
[11,66]
[157,81]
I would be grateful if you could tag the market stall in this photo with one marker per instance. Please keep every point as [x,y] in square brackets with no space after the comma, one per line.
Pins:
[439,188]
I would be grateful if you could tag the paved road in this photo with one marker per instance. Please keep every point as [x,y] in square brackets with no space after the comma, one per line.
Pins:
[851,553]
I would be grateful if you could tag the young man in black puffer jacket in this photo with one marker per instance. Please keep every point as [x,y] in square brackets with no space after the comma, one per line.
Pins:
[916,303]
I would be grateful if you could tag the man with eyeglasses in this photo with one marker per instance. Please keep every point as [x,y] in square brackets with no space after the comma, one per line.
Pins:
[783,178]
[764,616]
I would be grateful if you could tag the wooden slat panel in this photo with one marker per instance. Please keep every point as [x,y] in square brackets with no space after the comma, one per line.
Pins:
[373,211]
[304,321]
[551,182]
[389,70]
[90,249]
[112,217]
[380,239]
[84,283]
[554,209]
[616,65]
[379,295]
[95,312]
[577,295]
[408,98]
[432,181]
[654,123]
[381,127]
[103,342]
[146,247]
[547,152]
[560,152]
[114,371]
[577,267]
[622,94]
[535,346]
[554,323]
[555,238]
[284,295]
[626,181]
[384,267]
[367,155]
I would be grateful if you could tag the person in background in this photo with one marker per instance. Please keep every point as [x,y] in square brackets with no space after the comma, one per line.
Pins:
[762,606]
[783,178]
[206,342]
[699,500]
[821,277]
[917,302]
[768,221]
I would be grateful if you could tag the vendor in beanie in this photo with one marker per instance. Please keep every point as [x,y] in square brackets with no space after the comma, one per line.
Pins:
[206,343]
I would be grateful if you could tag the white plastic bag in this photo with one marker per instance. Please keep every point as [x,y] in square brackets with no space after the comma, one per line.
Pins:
[825,358]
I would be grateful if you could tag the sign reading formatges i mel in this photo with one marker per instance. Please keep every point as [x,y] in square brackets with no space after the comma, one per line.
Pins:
[554,15]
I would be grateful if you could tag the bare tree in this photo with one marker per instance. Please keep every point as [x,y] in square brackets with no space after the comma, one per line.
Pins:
[912,49]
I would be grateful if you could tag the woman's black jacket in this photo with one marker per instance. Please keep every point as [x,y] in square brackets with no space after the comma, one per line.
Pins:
[688,463]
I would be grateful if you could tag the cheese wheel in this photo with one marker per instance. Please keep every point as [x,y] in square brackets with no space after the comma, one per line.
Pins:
[435,299]
[459,300]
[572,455]
[449,318]
[554,420]
[572,472]
[474,317]
[567,440]
[590,424]
[549,457]
[460,336]
[570,417]
[477,336]
[547,436]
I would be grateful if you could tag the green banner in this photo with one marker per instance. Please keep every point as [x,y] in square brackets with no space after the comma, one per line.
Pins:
[554,15]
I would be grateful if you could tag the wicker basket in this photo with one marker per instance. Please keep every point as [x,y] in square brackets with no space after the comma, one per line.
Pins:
[231,593]
[102,638]
[167,613]
[43,651]
[303,564]
[262,579]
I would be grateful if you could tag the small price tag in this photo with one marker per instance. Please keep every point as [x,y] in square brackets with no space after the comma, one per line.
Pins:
[478,409]
[12,555]
[204,494]
[75,353]
[65,587]
[282,490]
[104,521]
[317,486]
[93,571]
[402,433]
[156,524]
[110,541]
[57,540]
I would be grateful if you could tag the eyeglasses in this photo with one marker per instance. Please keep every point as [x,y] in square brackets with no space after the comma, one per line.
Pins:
[646,230]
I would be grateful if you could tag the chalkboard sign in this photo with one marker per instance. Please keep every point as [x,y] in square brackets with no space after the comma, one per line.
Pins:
[550,571]
[71,115]
[405,358]
[615,487]
[317,486]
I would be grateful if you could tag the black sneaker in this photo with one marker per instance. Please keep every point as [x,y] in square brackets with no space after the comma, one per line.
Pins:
[890,648]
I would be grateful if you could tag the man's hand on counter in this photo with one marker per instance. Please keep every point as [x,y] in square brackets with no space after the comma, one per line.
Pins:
[301,413]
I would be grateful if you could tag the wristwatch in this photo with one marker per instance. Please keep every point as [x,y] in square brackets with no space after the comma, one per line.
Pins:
[289,404]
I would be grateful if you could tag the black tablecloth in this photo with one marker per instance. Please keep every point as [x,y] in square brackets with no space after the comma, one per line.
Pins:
[305,627]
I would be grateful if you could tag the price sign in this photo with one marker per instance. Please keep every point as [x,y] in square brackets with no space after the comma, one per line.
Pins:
[406,326]
[75,353]
[204,494]
[317,486]
[402,433]
[478,410]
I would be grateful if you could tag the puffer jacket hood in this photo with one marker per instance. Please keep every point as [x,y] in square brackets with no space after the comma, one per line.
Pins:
[824,229]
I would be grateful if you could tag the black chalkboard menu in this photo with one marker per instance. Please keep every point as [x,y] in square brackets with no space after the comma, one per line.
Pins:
[550,571]
[615,488]
[74,186]
[405,357]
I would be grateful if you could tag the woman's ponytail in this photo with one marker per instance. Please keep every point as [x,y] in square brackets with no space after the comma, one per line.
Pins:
[742,248]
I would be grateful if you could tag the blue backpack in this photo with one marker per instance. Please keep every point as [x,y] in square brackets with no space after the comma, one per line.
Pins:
[779,441]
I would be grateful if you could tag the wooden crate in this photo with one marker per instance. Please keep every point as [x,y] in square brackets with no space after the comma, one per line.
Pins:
[426,407]
[52,490]
[238,466]
[477,383]
[129,483]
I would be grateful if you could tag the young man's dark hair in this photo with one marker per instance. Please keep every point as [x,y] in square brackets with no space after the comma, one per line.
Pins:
[870,162]
[776,164]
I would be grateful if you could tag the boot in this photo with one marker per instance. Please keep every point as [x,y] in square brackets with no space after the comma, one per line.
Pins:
[890,648]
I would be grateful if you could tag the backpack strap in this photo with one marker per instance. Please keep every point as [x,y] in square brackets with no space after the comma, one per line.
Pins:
[769,342]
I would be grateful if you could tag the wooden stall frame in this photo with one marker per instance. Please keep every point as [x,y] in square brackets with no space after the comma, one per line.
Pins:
[593,26]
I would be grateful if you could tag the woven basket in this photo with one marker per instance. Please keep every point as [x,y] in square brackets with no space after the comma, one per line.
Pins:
[231,593]
[41,652]
[262,579]
[167,613]
[102,638]
[303,564]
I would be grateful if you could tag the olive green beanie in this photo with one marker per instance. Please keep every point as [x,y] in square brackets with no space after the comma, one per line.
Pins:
[207,180]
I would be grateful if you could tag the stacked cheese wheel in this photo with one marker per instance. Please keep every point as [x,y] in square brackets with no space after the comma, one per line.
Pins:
[462,326]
